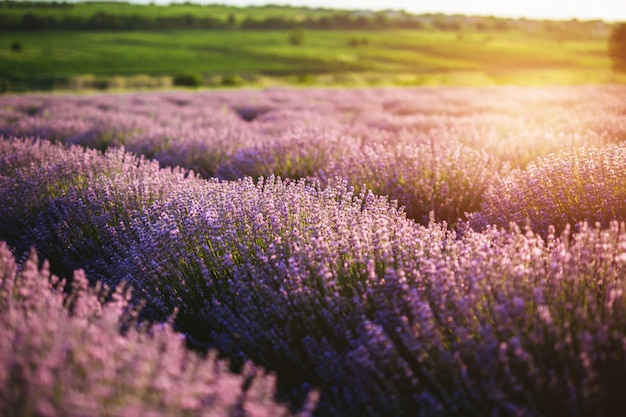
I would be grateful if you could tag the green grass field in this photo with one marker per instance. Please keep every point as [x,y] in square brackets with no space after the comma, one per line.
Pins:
[389,57]
[132,59]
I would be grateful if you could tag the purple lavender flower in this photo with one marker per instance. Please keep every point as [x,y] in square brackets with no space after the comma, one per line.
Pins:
[327,283]
[64,354]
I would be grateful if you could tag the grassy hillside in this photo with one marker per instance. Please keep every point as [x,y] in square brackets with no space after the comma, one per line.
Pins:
[468,51]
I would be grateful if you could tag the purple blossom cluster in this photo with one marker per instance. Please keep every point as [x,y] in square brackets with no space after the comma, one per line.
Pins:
[446,180]
[388,317]
[78,204]
[320,276]
[79,353]
[322,133]
[586,184]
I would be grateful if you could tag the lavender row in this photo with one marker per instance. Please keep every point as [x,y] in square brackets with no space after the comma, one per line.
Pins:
[339,290]
[80,353]
[583,184]
[445,180]
[78,204]
[390,318]
[439,137]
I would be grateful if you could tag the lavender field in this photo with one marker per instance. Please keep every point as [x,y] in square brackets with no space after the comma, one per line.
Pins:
[364,252]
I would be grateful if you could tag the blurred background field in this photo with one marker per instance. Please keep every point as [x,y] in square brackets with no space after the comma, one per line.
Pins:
[121,46]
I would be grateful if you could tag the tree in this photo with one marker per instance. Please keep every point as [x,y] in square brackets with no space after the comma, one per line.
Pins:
[232,20]
[191,79]
[617,47]
[296,37]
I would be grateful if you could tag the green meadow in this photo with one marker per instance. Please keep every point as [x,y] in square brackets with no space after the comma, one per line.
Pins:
[75,59]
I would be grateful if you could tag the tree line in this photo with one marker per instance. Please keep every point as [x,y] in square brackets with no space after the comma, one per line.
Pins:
[41,16]
[38,18]
[101,20]
[105,21]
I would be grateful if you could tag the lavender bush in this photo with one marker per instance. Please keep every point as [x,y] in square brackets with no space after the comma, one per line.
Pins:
[584,184]
[446,179]
[387,317]
[76,205]
[301,153]
[282,273]
[308,133]
[64,353]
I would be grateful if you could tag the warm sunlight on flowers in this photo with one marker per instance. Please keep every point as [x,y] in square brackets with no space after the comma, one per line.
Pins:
[389,252]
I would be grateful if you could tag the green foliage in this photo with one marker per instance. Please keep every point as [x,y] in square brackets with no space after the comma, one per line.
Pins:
[617,47]
[305,79]
[232,20]
[16,47]
[354,42]
[191,79]
[232,80]
[296,37]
